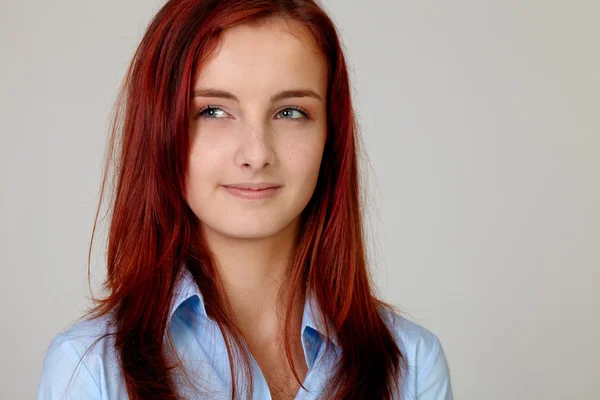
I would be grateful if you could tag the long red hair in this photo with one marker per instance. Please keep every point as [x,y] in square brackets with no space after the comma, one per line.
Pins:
[153,233]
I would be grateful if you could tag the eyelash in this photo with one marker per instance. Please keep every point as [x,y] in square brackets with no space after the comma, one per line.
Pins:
[209,107]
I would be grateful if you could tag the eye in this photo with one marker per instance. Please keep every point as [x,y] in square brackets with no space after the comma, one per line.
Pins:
[293,110]
[209,112]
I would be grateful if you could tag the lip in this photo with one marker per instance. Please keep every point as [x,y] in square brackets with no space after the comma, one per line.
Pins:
[253,186]
[260,191]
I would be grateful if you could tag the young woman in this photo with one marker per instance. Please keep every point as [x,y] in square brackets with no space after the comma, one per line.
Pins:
[236,262]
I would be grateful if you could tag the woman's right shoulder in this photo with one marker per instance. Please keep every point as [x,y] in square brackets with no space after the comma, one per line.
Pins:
[81,363]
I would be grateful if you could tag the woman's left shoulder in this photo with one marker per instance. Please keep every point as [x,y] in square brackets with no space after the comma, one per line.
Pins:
[428,374]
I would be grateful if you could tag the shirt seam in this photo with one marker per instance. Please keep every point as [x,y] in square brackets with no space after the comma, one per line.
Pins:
[85,365]
[433,355]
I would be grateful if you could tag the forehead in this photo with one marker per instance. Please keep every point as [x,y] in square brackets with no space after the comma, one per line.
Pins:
[266,56]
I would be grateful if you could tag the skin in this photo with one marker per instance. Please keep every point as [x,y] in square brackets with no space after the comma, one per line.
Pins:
[253,139]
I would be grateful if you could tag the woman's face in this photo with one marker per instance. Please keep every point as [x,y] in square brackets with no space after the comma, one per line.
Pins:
[267,124]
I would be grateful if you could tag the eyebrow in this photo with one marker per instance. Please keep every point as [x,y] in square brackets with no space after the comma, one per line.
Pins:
[284,94]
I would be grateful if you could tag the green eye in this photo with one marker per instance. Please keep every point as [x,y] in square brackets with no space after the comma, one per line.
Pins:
[289,112]
[209,112]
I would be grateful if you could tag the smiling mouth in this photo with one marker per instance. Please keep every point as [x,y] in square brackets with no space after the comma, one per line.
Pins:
[253,193]
[253,186]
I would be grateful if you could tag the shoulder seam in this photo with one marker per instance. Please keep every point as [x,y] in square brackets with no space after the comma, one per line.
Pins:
[82,361]
[433,355]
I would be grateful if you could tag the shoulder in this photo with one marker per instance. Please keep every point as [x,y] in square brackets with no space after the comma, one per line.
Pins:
[428,374]
[80,363]
[419,344]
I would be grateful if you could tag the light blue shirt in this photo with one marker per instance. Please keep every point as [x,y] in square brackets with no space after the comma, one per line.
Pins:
[200,344]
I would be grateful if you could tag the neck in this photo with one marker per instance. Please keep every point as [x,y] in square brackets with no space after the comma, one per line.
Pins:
[254,273]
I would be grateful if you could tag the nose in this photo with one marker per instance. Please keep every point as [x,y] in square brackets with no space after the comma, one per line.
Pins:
[256,150]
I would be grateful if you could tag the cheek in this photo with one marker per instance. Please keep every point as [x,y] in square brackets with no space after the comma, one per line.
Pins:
[204,163]
[303,160]
[208,146]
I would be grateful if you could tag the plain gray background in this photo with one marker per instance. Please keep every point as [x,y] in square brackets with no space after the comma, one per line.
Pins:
[481,121]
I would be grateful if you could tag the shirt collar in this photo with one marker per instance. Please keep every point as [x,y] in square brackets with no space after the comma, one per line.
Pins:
[186,288]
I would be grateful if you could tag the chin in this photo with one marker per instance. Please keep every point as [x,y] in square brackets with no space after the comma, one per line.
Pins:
[248,229]
[250,235]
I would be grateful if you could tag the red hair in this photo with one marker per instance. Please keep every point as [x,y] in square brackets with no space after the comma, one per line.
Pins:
[153,233]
